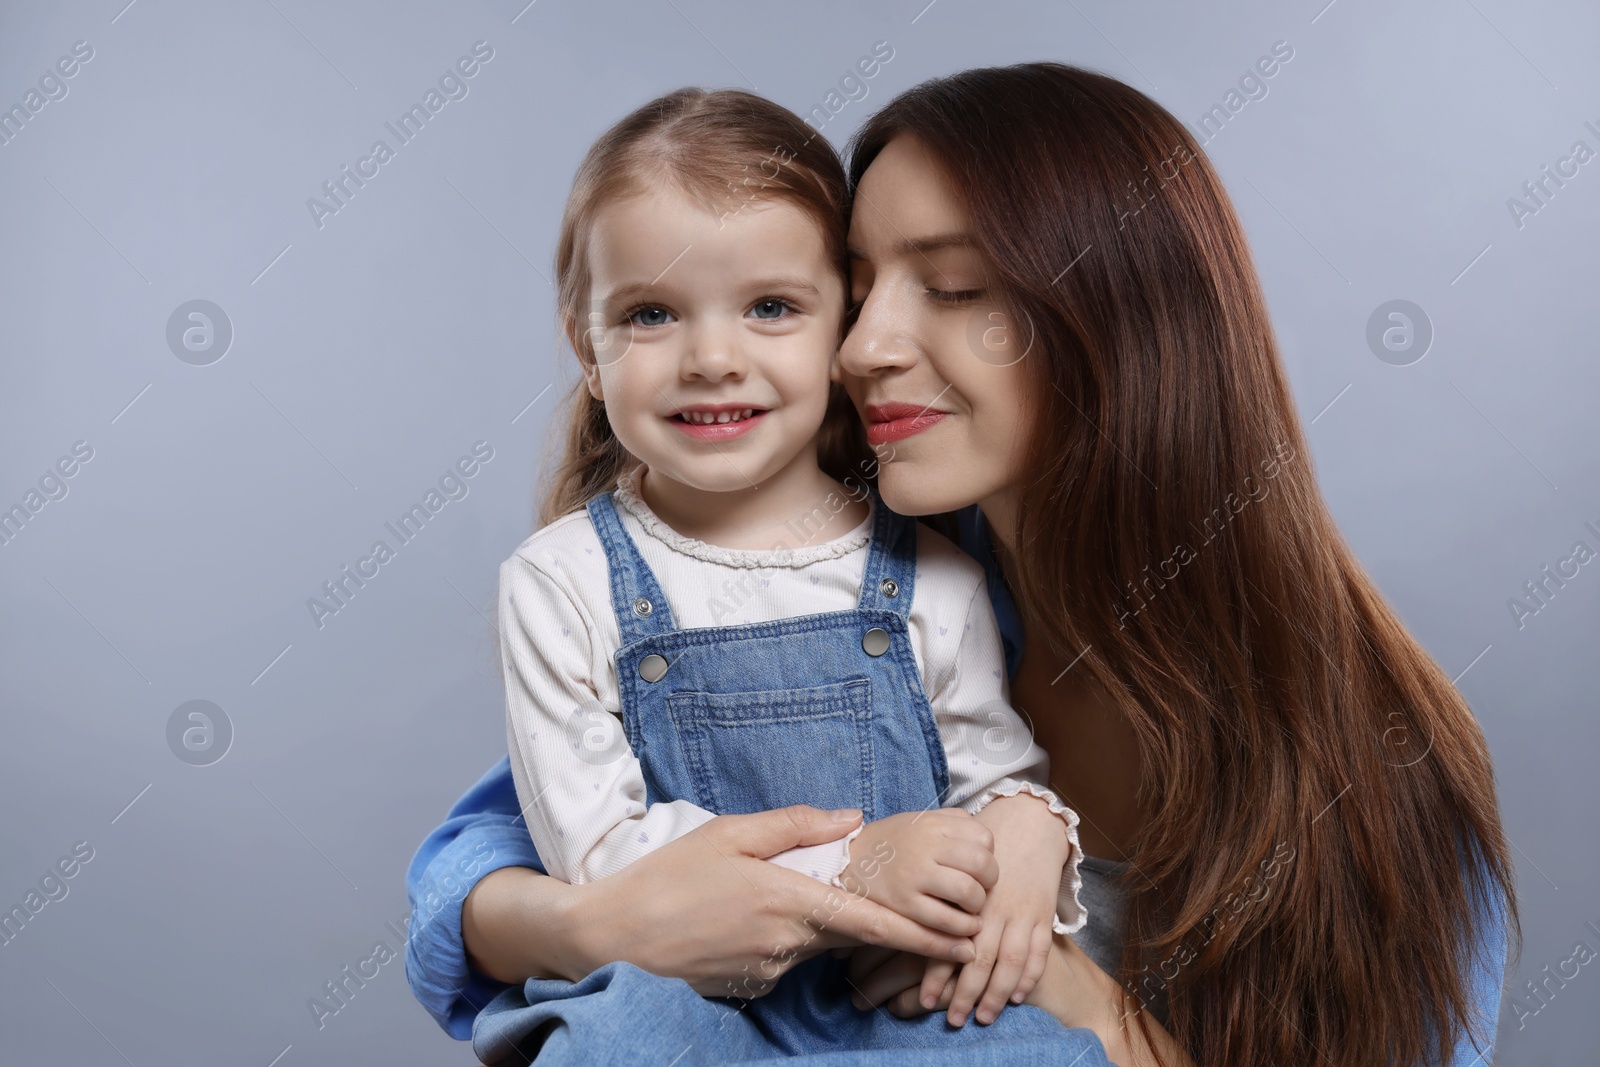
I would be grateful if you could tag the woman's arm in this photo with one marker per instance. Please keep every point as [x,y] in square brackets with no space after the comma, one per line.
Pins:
[707,908]
[1075,990]
[482,834]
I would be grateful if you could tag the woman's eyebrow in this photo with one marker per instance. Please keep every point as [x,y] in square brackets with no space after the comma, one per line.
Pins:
[923,245]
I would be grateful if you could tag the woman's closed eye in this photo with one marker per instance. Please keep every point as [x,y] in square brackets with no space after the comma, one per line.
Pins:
[953,296]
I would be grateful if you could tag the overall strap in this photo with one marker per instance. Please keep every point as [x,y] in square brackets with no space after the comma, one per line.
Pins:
[636,596]
[890,577]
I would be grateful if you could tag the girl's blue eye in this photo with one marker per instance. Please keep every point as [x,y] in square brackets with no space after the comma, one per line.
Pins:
[649,316]
[770,309]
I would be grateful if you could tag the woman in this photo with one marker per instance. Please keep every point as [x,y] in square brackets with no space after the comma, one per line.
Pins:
[1293,810]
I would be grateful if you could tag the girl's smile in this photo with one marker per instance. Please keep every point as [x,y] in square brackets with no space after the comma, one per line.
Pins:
[717,422]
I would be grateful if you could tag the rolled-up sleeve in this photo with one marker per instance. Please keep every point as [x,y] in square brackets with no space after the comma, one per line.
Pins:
[482,833]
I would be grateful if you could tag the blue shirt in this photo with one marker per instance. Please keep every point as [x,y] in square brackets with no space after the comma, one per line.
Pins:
[485,832]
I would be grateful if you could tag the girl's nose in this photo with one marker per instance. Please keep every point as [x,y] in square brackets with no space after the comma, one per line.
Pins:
[713,353]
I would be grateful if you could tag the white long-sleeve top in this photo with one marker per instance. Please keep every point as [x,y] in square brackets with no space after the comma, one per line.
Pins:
[580,787]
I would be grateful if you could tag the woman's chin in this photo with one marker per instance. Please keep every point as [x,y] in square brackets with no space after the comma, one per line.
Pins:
[918,489]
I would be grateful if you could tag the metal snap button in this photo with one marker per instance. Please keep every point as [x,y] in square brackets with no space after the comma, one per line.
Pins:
[876,641]
[652,667]
[642,607]
[890,587]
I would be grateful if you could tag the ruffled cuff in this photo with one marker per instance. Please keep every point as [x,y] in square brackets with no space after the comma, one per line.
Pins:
[1070,913]
[824,862]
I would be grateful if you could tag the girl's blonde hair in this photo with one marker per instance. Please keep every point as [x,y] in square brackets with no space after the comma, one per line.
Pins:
[726,148]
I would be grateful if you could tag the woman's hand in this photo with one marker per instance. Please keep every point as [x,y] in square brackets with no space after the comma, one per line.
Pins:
[888,977]
[707,908]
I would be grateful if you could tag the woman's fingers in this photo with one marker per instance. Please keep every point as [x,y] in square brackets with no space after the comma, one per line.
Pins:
[846,919]
[766,833]
[865,959]
[895,975]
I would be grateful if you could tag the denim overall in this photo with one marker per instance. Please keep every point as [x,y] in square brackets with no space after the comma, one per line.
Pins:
[826,710]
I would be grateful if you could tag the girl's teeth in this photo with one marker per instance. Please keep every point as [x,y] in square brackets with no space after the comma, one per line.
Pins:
[706,418]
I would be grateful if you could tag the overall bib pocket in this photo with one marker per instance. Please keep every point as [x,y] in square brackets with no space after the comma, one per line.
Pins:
[754,751]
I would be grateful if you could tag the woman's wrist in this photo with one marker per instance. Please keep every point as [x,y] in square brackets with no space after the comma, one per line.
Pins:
[594,928]
[1077,992]
[518,924]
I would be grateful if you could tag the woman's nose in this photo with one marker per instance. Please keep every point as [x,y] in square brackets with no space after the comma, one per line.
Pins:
[880,339]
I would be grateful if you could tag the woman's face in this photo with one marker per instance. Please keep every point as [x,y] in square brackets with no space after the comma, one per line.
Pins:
[933,364]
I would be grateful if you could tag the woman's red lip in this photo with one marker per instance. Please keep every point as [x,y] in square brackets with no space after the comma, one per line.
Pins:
[895,422]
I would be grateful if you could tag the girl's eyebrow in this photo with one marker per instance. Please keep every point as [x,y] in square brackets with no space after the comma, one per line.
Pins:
[791,282]
[787,282]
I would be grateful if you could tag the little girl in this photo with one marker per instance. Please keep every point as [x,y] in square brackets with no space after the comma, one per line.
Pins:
[715,624]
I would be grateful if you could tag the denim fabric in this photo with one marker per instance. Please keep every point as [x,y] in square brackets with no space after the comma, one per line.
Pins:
[622,1015]
[750,718]
[744,719]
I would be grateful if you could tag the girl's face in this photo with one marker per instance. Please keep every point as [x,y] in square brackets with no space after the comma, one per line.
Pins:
[933,364]
[715,336]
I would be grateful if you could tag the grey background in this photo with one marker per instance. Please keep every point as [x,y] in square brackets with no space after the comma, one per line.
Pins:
[369,354]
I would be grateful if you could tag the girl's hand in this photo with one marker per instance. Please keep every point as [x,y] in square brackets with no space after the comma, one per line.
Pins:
[1031,847]
[933,867]
[710,909]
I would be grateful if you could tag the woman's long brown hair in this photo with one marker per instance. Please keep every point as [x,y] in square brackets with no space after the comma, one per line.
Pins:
[729,149]
[1321,844]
